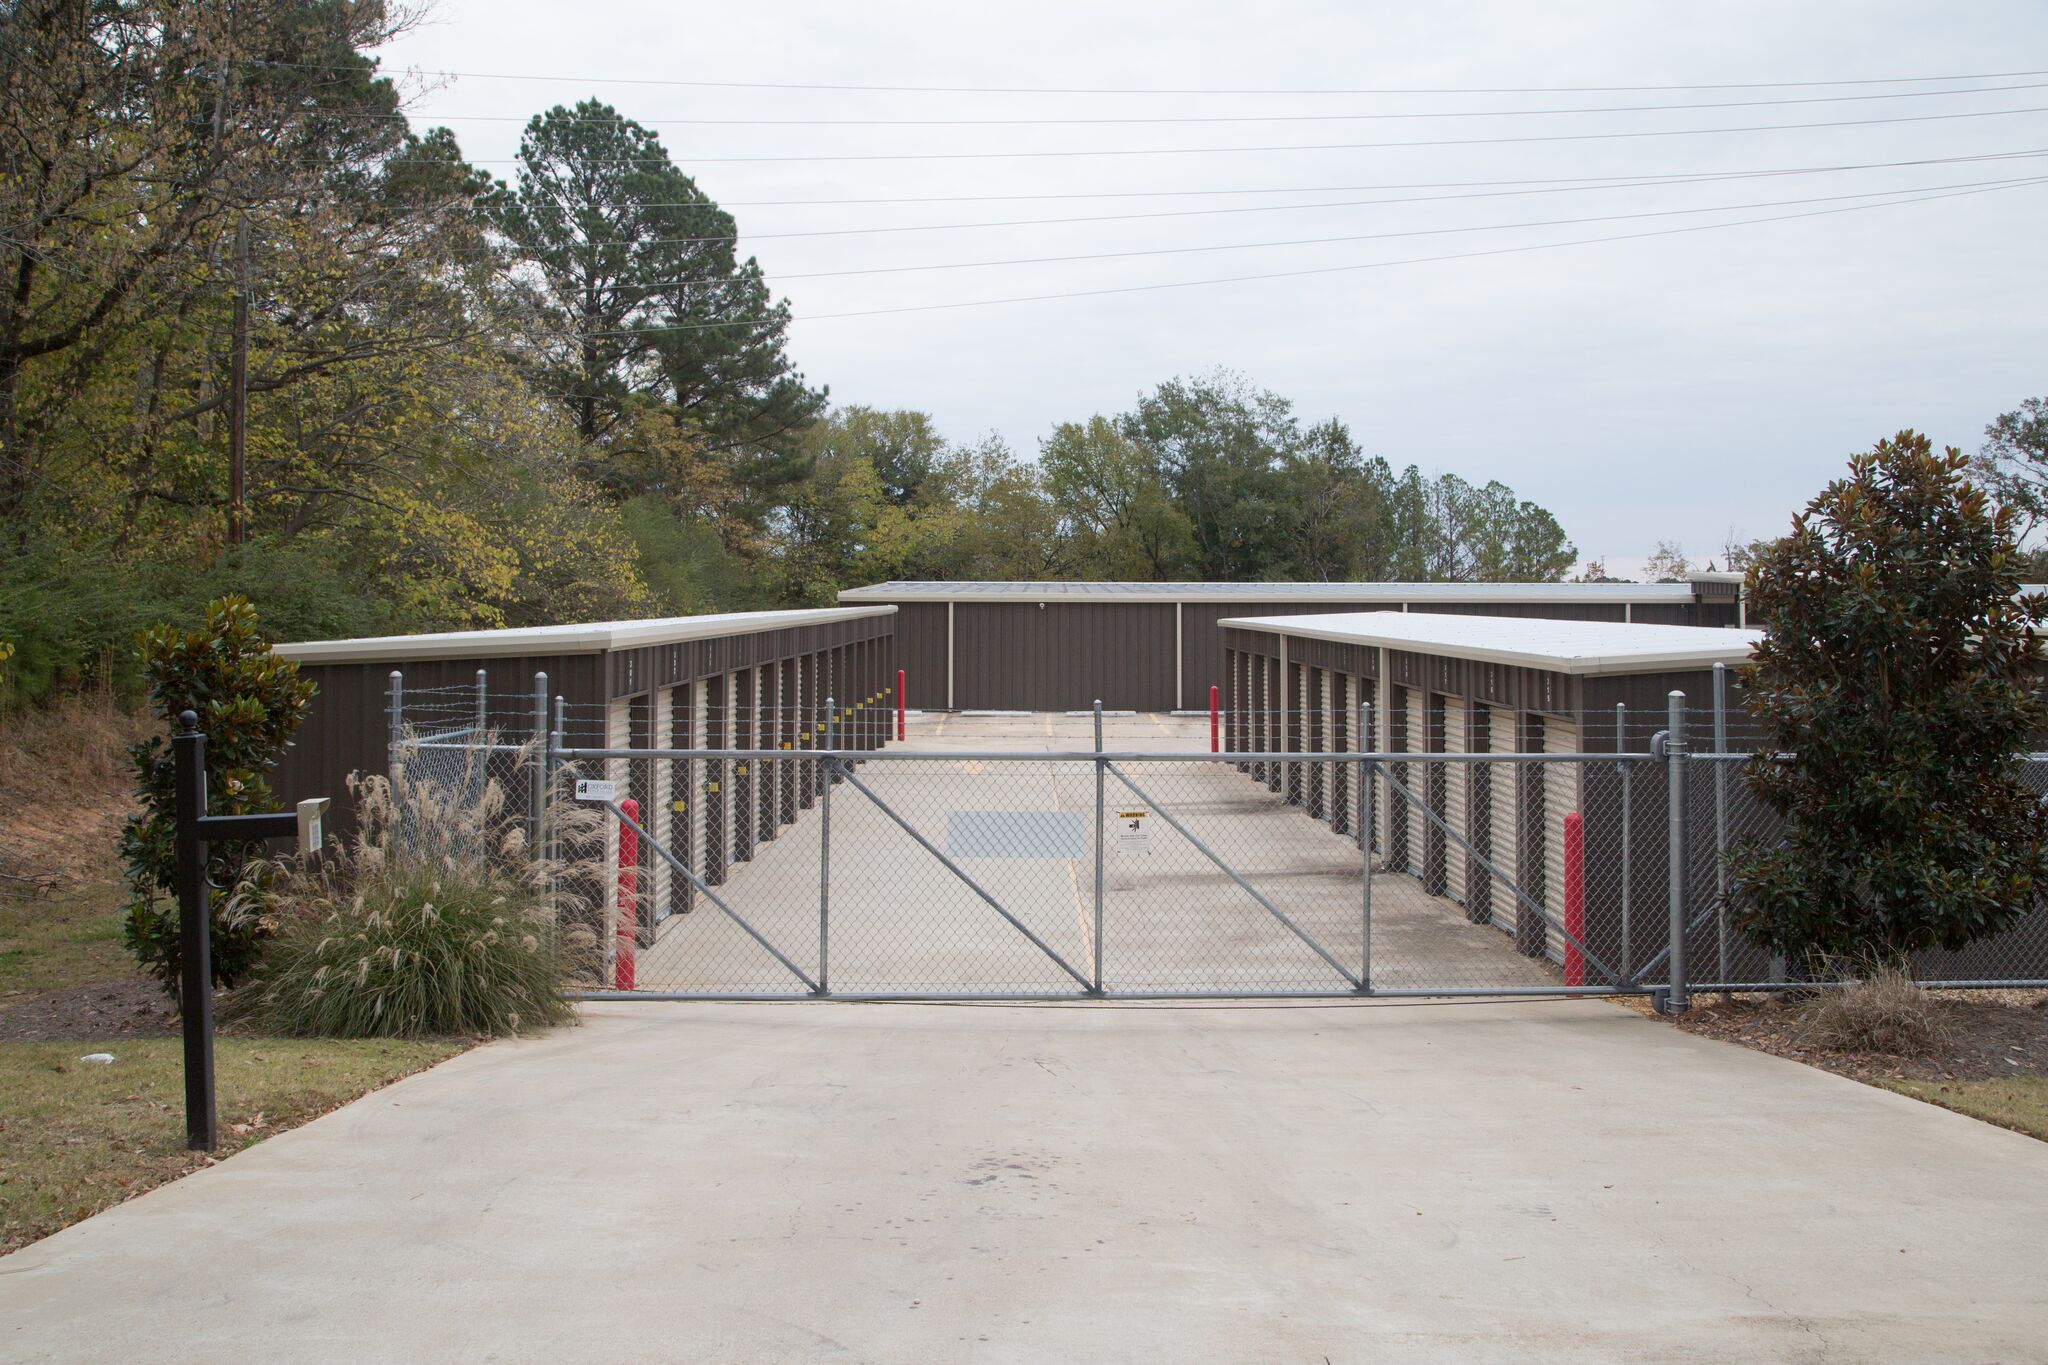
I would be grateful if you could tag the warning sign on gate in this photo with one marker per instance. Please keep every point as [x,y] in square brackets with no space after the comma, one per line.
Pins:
[1134,831]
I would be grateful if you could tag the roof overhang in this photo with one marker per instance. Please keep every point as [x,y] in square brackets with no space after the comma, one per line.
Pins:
[1168,593]
[1583,648]
[595,637]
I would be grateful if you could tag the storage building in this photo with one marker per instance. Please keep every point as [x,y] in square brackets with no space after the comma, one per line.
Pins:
[1441,683]
[1157,646]
[740,680]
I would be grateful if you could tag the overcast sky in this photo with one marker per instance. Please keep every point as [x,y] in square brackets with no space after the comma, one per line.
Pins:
[1666,387]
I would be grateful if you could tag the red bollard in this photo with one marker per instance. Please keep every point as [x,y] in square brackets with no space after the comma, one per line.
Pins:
[629,897]
[1574,898]
[902,700]
[1215,712]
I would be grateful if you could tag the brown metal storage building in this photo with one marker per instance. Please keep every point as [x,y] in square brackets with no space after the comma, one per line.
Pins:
[615,679]
[1438,684]
[1157,646]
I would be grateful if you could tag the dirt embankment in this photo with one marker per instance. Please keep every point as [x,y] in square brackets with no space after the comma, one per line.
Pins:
[65,788]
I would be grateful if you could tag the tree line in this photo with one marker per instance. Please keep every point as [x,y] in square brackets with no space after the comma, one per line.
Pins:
[260,334]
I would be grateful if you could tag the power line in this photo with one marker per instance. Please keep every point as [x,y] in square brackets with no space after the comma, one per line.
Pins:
[1319,270]
[1713,177]
[430,116]
[1359,237]
[1092,152]
[1314,189]
[1156,90]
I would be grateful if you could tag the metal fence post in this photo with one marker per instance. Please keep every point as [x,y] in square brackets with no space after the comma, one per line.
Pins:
[537,779]
[1365,819]
[1628,964]
[1721,822]
[831,741]
[1674,765]
[483,705]
[394,719]
[195,935]
[394,763]
[1101,814]
[558,740]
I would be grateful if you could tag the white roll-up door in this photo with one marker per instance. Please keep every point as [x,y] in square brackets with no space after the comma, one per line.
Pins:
[1376,742]
[1342,715]
[740,808]
[1303,735]
[1560,796]
[729,788]
[1506,815]
[1454,798]
[658,818]
[1325,704]
[700,718]
[1415,740]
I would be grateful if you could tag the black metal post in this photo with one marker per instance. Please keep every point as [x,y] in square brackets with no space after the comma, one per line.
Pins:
[195,995]
[194,829]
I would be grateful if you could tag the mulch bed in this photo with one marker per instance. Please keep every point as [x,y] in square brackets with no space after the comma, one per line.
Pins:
[1992,1035]
[104,1010]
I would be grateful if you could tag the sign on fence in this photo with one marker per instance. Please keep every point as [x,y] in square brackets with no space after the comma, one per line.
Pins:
[1134,831]
[590,789]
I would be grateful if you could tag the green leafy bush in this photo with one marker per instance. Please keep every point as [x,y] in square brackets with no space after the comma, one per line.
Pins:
[431,921]
[249,703]
[1896,682]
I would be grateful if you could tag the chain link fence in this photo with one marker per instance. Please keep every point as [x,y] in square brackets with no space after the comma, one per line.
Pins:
[751,851]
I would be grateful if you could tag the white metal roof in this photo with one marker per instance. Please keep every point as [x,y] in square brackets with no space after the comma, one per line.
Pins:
[588,638]
[1556,646]
[1269,592]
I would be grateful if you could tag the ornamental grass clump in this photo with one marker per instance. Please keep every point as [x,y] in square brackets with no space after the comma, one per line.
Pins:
[1884,1010]
[432,921]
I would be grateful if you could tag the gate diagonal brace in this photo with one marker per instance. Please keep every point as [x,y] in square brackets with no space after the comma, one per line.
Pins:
[1663,955]
[712,896]
[1612,978]
[958,871]
[1275,911]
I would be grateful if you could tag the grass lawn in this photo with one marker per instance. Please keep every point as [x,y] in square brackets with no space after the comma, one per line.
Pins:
[68,936]
[1988,1060]
[77,1137]
[2016,1102]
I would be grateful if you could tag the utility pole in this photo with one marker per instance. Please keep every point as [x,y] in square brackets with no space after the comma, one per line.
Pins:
[238,394]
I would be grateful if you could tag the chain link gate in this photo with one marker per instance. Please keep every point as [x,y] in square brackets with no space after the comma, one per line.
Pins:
[828,866]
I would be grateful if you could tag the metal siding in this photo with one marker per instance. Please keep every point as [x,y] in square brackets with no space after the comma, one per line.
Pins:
[1063,656]
[1201,639]
[1006,659]
[1538,611]
[1647,698]
[347,730]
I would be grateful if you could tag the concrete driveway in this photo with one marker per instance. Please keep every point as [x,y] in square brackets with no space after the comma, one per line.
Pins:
[1492,1182]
